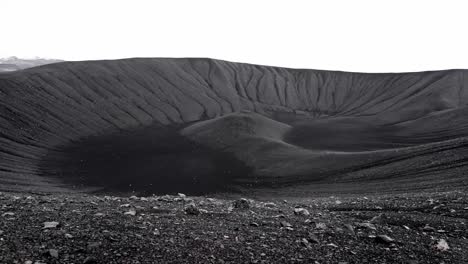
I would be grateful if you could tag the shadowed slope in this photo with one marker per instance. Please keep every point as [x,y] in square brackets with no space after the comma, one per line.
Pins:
[306,125]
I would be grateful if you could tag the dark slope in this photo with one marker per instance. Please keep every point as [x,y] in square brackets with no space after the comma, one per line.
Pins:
[116,123]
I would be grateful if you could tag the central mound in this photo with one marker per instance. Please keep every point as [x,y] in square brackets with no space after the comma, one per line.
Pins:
[203,125]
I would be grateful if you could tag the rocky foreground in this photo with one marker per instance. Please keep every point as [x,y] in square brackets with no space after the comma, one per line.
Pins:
[403,228]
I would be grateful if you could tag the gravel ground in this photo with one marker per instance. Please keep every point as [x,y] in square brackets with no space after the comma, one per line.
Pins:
[79,228]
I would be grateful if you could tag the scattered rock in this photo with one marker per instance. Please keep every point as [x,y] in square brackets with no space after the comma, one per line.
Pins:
[51,224]
[442,245]
[156,232]
[375,218]
[181,195]
[384,239]
[8,214]
[313,238]
[53,253]
[212,200]
[69,236]
[428,228]
[285,224]
[131,212]
[350,229]
[241,204]
[279,216]
[93,245]
[254,224]
[270,205]
[90,260]
[191,209]
[305,242]
[367,225]
[320,226]
[301,211]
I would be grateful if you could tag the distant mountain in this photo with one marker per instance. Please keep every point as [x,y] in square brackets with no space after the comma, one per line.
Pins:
[15,63]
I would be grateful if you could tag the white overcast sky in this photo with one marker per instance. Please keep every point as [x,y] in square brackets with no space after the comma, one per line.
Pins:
[371,36]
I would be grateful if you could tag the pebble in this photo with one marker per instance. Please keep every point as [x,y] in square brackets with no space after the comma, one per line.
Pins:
[428,228]
[367,225]
[313,238]
[53,253]
[93,245]
[8,214]
[301,211]
[442,245]
[305,242]
[90,260]
[350,229]
[131,212]
[156,232]
[51,224]
[384,239]
[320,226]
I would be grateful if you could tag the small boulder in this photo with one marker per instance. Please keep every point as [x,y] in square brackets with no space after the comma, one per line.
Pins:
[242,203]
[192,209]
[301,211]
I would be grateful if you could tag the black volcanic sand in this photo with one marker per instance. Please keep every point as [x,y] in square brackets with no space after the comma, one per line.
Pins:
[339,229]
[132,160]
